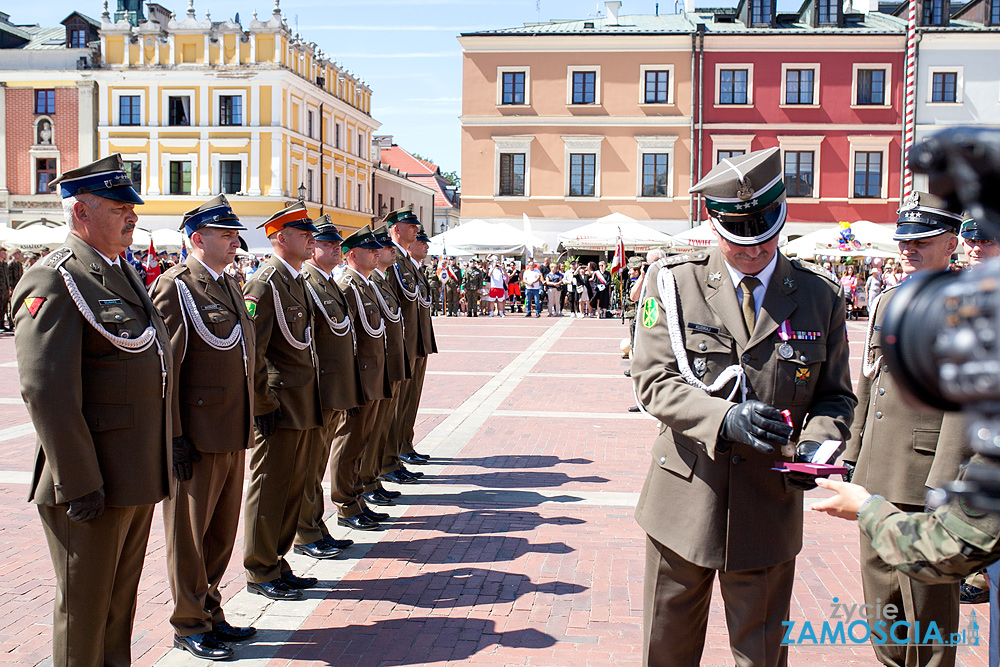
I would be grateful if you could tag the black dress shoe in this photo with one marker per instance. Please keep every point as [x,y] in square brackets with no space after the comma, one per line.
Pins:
[633,408]
[298,583]
[203,646]
[319,550]
[373,515]
[392,495]
[224,632]
[338,544]
[399,478]
[412,459]
[358,522]
[628,373]
[275,590]
[376,498]
[414,475]
[420,456]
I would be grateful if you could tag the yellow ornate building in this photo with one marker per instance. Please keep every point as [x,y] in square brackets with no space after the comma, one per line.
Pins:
[202,107]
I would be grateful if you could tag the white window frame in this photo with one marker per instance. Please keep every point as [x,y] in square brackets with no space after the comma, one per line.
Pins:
[784,81]
[803,144]
[519,144]
[43,152]
[338,193]
[235,92]
[119,93]
[887,67]
[165,95]
[597,84]
[870,144]
[642,85]
[527,85]
[216,160]
[657,144]
[166,159]
[718,87]
[577,144]
[959,72]
[141,159]
[730,142]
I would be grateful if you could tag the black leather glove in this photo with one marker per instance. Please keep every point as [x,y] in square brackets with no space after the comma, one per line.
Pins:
[87,507]
[267,424]
[756,424]
[803,454]
[850,465]
[185,456]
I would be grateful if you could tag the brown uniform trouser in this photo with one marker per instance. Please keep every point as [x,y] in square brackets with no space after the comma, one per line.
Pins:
[278,471]
[915,601]
[311,527]
[200,523]
[408,407]
[97,565]
[381,440]
[676,598]
[351,435]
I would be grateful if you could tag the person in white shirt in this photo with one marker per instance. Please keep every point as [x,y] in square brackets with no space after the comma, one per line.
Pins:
[532,279]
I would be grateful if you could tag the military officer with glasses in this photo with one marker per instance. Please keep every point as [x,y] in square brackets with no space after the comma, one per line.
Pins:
[742,355]
[212,337]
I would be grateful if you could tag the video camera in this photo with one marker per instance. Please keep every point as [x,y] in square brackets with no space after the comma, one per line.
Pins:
[942,330]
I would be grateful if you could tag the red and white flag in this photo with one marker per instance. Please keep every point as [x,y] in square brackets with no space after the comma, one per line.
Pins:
[618,262]
[151,265]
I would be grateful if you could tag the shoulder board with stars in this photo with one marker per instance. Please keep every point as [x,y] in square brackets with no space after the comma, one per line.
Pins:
[175,270]
[683,258]
[57,257]
[815,268]
[264,275]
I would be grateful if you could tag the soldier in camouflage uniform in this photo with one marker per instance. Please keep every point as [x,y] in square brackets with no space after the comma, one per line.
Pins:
[435,287]
[634,271]
[472,282]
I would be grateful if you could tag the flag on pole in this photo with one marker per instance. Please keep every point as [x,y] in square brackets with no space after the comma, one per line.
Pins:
[151,265]
[184,249]
[618,261]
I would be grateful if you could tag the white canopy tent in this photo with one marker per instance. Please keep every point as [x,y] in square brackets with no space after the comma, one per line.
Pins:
[478,237]
[602,234]
[701,236]
[873,240]
[36,238]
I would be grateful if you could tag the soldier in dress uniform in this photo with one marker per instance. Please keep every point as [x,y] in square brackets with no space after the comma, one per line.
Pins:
[759,334]
[434,280]
[339,384]
[899,451]
[15,267]
[354,432]
[212,337]
[94,359]
[472,281]
[979,245]
[287,407]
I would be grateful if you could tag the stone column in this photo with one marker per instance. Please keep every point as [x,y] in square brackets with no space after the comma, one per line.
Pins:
[87,139]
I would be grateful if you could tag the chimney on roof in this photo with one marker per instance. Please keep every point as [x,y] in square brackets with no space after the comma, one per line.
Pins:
[689,6]
[613,8]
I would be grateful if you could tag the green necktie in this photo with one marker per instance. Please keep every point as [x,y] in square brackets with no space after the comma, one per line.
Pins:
[748,285]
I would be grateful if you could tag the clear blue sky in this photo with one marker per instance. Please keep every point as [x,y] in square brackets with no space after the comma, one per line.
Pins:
[406,50]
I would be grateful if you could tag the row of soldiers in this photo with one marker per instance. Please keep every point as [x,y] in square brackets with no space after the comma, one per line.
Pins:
[140,397]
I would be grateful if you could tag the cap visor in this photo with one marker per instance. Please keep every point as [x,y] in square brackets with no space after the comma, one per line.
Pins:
[329,238]
[752,229]
[123,193]
[912,230]
[303,224]
[371,245]
[228,224]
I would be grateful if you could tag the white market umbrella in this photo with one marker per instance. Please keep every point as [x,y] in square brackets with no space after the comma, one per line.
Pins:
[36,238]
[163,239]
[478,237]
[701,236]
[602,234]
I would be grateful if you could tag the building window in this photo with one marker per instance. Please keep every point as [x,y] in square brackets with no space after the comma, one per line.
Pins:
[654,174]
[380,205]
[761,12]
[129,110]
[584,87]
[582,174]
[336,135]
[944,87]
[799,86]
[657,86]
[309,124]
[180,178]
[733,86]
[361,144]
[871,87]
[513,88]
[133,168]
[826,12]
[77,38]
[799,173]
[45,173]
[392,203]
[45,101]
[179,110]
[727,155]
[934,12]
[361,197]
[230,176]
[309,185]
[867,175]
[511,174]
[230,110]
[994,12]
[336,191]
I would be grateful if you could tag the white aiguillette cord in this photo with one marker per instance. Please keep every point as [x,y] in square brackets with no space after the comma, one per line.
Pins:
[189,306]
[279,314]
[123,343]
[363,314]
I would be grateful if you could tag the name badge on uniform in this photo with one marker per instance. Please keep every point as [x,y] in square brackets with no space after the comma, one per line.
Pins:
[110,302]
[212,306]
[704,328]
[294,311]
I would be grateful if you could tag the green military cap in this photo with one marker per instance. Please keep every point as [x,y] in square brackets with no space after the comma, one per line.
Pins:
[634,262]
[382,235]
[325,230]
[362,238]
[422,235]
[745,197]
[403,215]
[104,178]
[923,215]
[973,231]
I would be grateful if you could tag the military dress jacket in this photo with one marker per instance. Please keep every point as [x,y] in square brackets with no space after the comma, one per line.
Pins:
[716,503]
[369,331]
[901,451]
[101,414]
[213,404]
[426,344]
[336,351]
[396,367]
[404,279]
[285,375]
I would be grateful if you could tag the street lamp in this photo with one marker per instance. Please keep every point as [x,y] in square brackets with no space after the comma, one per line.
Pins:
[302,192]
[382,210]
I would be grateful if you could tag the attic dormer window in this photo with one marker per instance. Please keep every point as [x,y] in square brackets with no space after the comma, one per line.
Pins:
[78,38]
[935,12]
[826,12]
[994,18]
[761,12]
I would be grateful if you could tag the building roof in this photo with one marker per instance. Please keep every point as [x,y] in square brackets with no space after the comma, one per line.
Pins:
[423,172]
[786,23]
[38,38]
[600,25]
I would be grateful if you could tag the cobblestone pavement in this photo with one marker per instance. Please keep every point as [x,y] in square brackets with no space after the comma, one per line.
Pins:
[518,548]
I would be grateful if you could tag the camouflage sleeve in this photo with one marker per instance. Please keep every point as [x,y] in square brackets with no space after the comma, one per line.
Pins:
[945,546]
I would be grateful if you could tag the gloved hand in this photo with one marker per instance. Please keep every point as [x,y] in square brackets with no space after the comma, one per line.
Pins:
[850,465]
[185,456]
[354,412]
[803,454]
[87,507]
[756,424]
[267,424]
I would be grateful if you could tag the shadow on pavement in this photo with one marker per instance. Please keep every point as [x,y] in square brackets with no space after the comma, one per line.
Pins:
[514,479]
[491,497]
[508,462]
[413,641]
[482,521]
[464,549]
